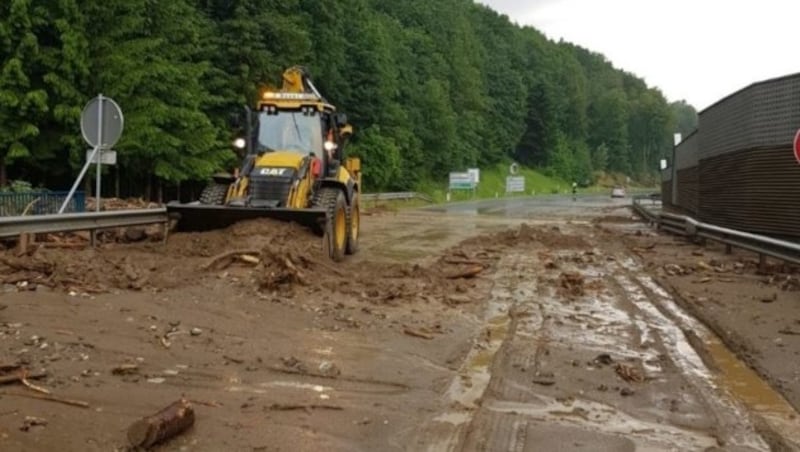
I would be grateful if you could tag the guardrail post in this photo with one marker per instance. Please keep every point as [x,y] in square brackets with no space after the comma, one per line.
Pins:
[762,263]
[165,230]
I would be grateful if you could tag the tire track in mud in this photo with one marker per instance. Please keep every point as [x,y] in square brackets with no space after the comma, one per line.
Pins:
[537,382]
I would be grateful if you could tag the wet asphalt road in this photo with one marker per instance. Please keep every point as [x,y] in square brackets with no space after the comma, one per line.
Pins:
[534,207]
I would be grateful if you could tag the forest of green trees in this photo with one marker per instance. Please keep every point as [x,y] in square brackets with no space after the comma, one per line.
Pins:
[431,86]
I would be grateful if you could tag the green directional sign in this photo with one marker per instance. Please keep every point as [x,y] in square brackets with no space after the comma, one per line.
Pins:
[462,181]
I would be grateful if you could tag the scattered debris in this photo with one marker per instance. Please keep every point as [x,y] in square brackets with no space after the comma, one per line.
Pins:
[294,364]
[676,270]
[572,283]
[625,392]
[224,260]
[628,373]
[702,266]
[544,379]
[167,423]
[467,273]
[196,331]
[31,421]
[125,369]
[603,359]
[789,331]
[417,333]
[23,379]
[769,298]
[211,404]
[329,369]
[48,397]
[309,407]
[232,359]
[20,376]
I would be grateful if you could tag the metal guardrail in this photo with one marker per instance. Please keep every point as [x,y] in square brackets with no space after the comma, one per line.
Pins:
[406,195]
[689,227]
[11,227]
[14,226]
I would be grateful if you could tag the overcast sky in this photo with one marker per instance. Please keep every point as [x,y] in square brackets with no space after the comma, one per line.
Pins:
[696,50]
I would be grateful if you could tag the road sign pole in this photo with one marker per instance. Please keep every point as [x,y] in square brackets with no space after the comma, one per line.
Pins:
[796,146]
[100,147]
[78,180]
[109,122]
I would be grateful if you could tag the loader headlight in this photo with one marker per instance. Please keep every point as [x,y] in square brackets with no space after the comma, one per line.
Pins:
[239,143]
[330,145]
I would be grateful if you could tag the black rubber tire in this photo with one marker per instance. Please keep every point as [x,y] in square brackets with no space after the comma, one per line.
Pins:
[335,236]
[214,194]
[353,225]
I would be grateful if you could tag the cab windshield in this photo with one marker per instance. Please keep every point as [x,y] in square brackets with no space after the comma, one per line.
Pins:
[289,131]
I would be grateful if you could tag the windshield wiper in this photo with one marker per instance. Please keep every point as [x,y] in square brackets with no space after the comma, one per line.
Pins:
[297,127]
[264,148]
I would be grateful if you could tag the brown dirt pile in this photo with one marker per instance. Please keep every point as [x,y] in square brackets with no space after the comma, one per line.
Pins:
[271,257]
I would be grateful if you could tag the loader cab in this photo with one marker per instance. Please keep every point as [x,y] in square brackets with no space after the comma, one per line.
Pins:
[294,130]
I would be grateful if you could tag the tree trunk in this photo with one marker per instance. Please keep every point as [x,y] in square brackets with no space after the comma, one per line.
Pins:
[3,177]
[148,188]
[160,191]
[116,182]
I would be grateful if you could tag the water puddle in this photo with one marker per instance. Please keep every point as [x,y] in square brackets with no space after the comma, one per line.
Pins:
[263,388]
[733,375]
[600,418]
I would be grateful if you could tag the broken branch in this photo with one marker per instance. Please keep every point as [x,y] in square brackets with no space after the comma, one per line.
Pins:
[417,333]
[48,397]
[18,377]
[24,380]
[464,262]
[468,273]
[223,260]
[289,407]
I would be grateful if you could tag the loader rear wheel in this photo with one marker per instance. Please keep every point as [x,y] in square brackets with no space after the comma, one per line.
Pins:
[353,225]
[335,238]
[214,194]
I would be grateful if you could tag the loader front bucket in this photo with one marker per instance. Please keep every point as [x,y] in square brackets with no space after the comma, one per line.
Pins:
[197,217]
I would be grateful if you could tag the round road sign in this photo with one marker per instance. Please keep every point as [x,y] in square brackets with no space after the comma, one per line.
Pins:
[797,146]
[102,117]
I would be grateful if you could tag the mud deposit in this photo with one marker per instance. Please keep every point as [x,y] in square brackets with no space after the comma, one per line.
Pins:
[445,332]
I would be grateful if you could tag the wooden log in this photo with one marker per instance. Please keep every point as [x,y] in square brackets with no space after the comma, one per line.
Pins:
[23,245]
[165,424]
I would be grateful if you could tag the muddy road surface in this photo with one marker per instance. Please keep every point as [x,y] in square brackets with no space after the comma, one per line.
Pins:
[521,325]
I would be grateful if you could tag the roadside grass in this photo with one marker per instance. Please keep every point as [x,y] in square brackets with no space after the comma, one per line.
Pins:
[493,185]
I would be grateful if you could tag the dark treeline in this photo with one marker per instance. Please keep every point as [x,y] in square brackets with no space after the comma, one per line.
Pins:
[430,86]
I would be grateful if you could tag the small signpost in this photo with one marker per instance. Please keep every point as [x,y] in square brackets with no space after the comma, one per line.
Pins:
[101,126]
[797,146]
